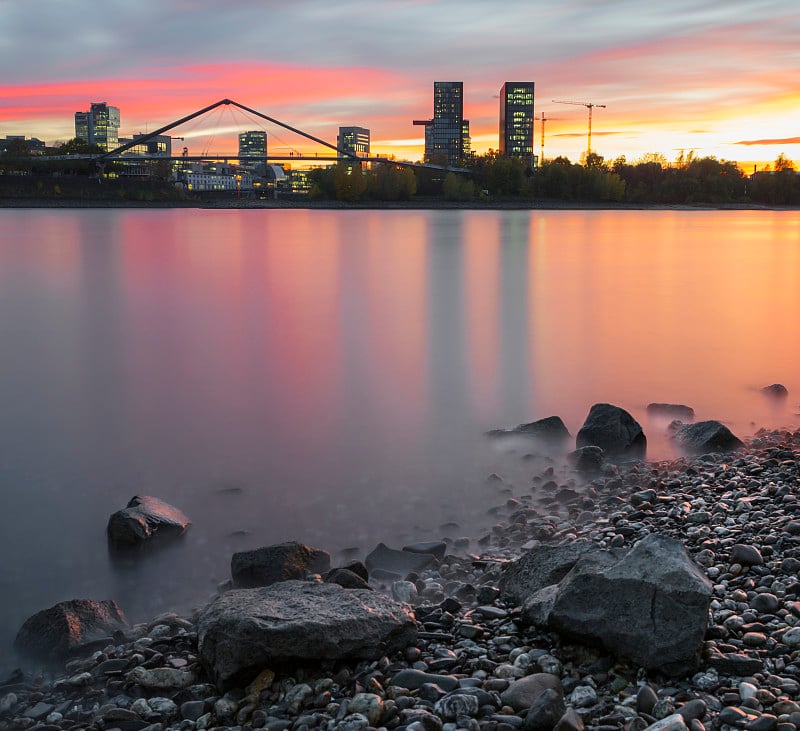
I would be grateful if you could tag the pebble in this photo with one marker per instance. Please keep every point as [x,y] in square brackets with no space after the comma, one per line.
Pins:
[474,668]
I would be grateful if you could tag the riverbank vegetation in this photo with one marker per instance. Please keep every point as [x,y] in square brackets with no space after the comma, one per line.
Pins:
[650,180]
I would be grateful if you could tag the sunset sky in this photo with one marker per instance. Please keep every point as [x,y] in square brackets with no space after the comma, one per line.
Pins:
[720,77]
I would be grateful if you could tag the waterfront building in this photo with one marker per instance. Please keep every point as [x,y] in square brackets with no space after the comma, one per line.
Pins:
[99,126]
[354,140]
[447,133]
[253,144]
[217,177]
[516,119]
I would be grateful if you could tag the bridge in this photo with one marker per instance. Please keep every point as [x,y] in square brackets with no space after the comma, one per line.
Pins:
[336,153]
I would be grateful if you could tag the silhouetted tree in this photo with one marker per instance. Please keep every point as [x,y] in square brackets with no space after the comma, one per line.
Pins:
[387,182]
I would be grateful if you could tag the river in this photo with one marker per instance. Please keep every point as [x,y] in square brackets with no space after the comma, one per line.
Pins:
[328,376]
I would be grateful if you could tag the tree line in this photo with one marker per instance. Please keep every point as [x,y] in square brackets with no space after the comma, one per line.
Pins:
[649,180]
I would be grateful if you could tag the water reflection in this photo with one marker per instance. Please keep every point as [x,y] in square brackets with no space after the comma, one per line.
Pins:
[327,375]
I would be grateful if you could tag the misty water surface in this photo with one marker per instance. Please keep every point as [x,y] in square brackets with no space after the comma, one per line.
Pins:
[327,376]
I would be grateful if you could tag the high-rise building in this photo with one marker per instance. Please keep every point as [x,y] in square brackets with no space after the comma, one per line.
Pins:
[252,144]
[354,140]
[99,126]
[447,134]
[516,119]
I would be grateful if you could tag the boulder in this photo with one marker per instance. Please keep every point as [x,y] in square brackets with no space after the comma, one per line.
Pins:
[614,430]
[391,562]
[587,460]
[281,562]
[648,603]
[671,411]
[776,391]
[347,579]
[434,548]
[68,627]
[540,567]
[550,431]
[245,630]
[143,519]
[706,436]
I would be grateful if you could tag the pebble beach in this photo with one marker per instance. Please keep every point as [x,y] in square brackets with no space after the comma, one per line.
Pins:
[737,514]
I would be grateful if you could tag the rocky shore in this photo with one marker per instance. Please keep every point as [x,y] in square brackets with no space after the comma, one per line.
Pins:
[473,659]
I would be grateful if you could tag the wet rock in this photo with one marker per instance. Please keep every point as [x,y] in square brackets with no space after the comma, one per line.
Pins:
[281,562]
[397,563]
[143,519]
[161,678]
[347,579]
[522,693]
[415,679]
[671,411]
[64,628]
[542,566]
[746,555]
[614,430]
[707,436]
[434,548]
[244,630]
[587,460]
[775,391]
[550,432]
[651,605]
[545,711]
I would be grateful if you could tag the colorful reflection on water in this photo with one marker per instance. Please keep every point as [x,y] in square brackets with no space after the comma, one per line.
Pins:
[327,376]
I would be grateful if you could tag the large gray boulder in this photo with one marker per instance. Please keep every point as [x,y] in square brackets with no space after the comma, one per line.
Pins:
[68,627]
[614,430]
[540,567]
[648,604]
[246,630]
[707,436]
[144,518]
[281,562]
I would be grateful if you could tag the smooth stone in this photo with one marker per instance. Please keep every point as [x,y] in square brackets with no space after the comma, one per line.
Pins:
[570,721]
[646,698]
[414,679]
[545,711]
[455,705]
[522,693]
[280,562]
[694,709]
[746,555]
[675,722]
[369,705]
[765,603]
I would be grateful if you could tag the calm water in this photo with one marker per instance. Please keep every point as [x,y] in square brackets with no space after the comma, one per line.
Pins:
[327,376]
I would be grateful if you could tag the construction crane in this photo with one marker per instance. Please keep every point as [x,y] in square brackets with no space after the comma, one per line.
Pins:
[543,119]
[589,106]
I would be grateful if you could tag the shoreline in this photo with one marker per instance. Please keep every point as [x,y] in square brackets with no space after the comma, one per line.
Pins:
[712,503]
[429,204]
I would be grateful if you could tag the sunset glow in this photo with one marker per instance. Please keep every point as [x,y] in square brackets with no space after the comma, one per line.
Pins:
[716,78]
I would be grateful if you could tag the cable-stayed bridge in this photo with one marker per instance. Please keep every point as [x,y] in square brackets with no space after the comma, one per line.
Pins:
[333,153]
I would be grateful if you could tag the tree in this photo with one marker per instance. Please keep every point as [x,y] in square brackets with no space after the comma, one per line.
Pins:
[18,148]
[349,182]
[783,163]
[388,182]
[458,188]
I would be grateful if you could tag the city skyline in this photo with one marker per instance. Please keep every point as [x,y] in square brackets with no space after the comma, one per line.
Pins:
[717,78]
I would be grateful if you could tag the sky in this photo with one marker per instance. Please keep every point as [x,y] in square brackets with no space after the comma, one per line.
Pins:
[712,77]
